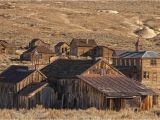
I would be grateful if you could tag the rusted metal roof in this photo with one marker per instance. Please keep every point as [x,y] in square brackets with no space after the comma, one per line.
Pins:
[32,89]
[117,86]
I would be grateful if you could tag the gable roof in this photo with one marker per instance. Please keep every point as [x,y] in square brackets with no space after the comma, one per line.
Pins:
[139,54]
[60,44]
[15,73]
[66,68]
[84,42]
[32,89]
[117,86]
[36,40]
[39,49]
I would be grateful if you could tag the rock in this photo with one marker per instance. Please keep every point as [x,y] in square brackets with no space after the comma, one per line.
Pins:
[146,32]
[113,12]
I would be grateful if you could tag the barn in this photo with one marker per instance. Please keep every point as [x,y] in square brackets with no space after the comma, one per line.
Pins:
[79,82]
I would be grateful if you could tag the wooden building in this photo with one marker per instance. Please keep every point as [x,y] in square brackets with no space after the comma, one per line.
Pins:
[79,47]
[139,65]
[102,52]
[62,49]
[38,55]
[7,48]
[79,82]
[21,87]
[38,42]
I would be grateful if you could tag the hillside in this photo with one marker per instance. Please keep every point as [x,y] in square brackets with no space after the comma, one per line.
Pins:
[113,23]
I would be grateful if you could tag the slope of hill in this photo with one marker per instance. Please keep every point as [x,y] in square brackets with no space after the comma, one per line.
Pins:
[109,22]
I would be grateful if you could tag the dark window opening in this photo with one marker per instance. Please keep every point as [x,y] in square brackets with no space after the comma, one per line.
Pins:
[146,75]
[153,62]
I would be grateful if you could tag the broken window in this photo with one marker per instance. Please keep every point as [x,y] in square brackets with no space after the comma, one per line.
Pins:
[146,75]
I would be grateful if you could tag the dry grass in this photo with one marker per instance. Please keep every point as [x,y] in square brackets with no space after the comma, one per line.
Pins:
[61,21]
[89,114]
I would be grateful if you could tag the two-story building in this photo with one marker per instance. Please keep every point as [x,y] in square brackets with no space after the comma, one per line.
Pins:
[81,47]
[62,49]
[139,65]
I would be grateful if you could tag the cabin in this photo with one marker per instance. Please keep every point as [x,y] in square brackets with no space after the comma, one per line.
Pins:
[62,49]
[7,48]
[102,52]
[78,82]
[139,65]
[38,55]
[79,47]
[22,87]
[38,42]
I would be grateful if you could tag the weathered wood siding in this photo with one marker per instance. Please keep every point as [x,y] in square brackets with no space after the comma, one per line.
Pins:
[46,97]
[35,77]
[62,50]
[7,95]
[80,51]
[153,71]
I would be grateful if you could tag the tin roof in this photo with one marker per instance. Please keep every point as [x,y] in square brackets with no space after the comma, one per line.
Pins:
[139,54]
[15,73]
[117,86]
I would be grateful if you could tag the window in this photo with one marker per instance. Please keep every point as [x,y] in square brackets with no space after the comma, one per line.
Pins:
[146,75]
[123,62]
[153,62]
[134,62]
[116,62]
[127,62]
[65,49]
[62,50]
[120,62]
